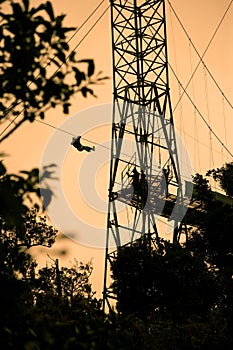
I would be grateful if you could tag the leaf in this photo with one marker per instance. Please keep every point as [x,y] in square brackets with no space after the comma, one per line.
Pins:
[34,172]
[103,78]
[65,46]
[79,76]
[91,66]
[86,90]
[25,172]
[49,10]
[42,72]
[17,10]
[66,108]
[2,168]
[59,75]
[68,29]
[60,54]
[15,113]
[37,9]
[72,56]
[31,117]
[26,4]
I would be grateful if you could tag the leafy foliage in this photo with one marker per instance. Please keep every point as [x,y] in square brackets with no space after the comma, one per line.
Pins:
[215,228]
[14,242]
[67,282]
[168,279]
[16,190]
[37,71]
[224,176]
[202,190]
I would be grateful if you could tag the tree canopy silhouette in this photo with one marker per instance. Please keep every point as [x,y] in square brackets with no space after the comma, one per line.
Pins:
[37,69]
[167,279]
[224,176]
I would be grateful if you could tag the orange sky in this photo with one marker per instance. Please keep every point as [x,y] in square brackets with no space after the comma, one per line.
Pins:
[200,19]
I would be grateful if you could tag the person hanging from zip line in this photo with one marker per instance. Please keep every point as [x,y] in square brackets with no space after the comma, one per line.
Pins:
[76,142]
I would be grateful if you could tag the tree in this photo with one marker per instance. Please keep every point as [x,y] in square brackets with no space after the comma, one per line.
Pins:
[215,227]
[15,242]
[17,190]
[65,282]
[202,191]
[17,267]
[37,71]
[224,176]
[213,236]
[168,279]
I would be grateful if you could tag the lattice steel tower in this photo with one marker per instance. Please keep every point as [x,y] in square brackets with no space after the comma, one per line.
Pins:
[145,180]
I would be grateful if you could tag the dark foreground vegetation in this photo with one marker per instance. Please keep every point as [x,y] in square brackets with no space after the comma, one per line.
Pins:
[169,296]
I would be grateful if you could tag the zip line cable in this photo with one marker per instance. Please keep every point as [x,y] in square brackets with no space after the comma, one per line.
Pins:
[201,56]
[196,144]
[73,50]
[70,133]
[200,114]
[11,122]
[208,118]
[108,148]
[194,105]
[224,120]
[86,20]
[199,143]
[74,135]
[84,37]
[181,121]
[184,89]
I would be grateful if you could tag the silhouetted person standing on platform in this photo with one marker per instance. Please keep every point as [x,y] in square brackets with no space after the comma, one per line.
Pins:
[143,188]
[164,182]
[135,179]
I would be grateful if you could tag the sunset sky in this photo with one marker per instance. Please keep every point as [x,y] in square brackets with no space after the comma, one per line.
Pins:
[200,18]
